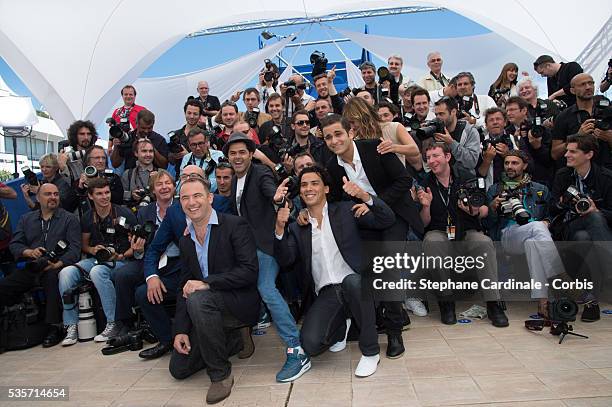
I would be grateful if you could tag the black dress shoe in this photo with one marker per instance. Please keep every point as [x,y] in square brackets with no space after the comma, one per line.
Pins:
[591,312]
[156,351]
[54,336]
[497,315]
[447,312]
[395,346]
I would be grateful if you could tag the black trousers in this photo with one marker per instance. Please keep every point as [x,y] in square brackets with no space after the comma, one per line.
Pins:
[325,322]
[19,282]
[214,337]
[131,287]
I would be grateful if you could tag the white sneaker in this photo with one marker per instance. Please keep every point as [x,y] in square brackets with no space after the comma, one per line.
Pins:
[341,345]
[72,335]
[367,366]
[416,306]
[110,331]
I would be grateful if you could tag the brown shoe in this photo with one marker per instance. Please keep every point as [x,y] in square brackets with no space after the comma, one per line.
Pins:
[248,345]
[219,391]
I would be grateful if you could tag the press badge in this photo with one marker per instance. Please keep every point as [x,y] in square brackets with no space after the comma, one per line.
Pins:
[450,232]
[163,261]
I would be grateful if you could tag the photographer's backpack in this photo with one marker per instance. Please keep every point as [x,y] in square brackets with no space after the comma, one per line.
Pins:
[21,326]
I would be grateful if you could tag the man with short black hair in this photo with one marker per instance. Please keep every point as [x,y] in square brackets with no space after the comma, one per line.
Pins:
[558,77]
[136,180]
[251,100]
[37,233]
[201,155]
[420,101]
[324,83]
[193,114]
[368,74]
[301,130]
[387,111]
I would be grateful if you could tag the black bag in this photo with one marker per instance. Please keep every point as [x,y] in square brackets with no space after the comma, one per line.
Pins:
[21,326]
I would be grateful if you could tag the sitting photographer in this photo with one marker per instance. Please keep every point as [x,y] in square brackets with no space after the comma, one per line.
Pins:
[582,202]
[130,284]
[122,147]
[49,168]
[136,180]
[35,240]
[589,115]
[533,137]
[324,84]
[460,136]
[82,134]
[518,217]
[108,249]
[201,154]
[178,145]
[448,216]
[96,160]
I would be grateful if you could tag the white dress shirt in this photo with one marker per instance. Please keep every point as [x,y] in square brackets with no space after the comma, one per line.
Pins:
[357,175]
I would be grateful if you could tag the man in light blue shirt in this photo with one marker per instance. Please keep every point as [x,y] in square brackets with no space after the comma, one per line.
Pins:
[202,155]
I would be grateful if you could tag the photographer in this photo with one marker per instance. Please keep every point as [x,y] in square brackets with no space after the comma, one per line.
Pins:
[607,80]
[82,134]
[178,146]
[253,116]
[300,99]
[435,79]
[505,84]
[201,155]
[368,74]
[471,107]
[268,80]
[229,117]
[126,115]
[365,95]
[332,265]
[36,236]
[136,180]
[108,249]
[122,151]
[533,138]
[518,217]
[130,285]
[49,168]
[448,218]
[324,84]
[461,137]
[275,107]
[209,103]
[559,76]
[528,90]
[420,101]
[586,214]
[584,117]
[96,161]
[395,78]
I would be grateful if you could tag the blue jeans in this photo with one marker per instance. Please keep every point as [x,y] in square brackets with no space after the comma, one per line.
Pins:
[101,276]
[281,316]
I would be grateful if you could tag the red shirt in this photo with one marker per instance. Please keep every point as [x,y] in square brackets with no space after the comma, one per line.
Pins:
[131,112]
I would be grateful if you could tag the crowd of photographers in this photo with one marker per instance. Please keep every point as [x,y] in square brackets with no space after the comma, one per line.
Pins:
[243,218]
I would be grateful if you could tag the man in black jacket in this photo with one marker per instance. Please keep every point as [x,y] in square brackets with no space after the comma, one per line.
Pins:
[381,175]
[575,223]
[558,77]
[217,291]
[329,249]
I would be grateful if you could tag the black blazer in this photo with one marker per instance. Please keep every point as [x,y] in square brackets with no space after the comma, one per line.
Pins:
[388,177]
[232,270]
[257,205]
[296,244]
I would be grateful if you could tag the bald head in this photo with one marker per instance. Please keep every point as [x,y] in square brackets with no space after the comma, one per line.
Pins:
[583,86]
[48,197]
[580,78]
[192,169]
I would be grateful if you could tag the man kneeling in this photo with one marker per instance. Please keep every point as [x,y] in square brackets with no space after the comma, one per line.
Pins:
[218,290]
[328,249]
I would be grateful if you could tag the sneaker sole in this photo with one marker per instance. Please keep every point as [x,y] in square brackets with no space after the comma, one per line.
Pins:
[69,344]
[262,326]
[304,369]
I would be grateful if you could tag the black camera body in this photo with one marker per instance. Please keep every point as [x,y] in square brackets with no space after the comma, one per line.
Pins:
[120,130]
[145,231]
[29,176]
[429,128]
[291,88]
[577,201]
[464,104]
[512,207]
[494,140]
[174,145]
[473,192]
[411,121]
[602,113]
[562,310]
[251,117]
[91,172]
[48,257]
[319,63]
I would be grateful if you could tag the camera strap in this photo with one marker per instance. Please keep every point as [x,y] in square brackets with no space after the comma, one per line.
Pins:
[450,227]
[45,231]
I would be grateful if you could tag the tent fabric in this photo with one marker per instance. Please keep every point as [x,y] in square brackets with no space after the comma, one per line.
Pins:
[165,96]
[87,51]
[483,55]
[353,75]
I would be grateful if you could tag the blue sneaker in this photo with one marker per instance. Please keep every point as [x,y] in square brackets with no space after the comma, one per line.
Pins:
[296,365]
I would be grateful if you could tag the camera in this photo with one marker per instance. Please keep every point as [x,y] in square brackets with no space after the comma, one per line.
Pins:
[74,155]
[29,176]
[251,117]
[319,63]
[429,128]
[384,76]
[145,231]
[215,141]
[543,112]
[577,200]
[119,131]
[348,91]
[473,192]
[465,104]
[145,195]
[174,146]
[91,172]
[602,113]
[52,256]
[411,121]
[562,310]
[512,207]
[494,140]
[291,88]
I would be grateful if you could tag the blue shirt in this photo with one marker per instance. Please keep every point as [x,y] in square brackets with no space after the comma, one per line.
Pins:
[203,163]
[202,249]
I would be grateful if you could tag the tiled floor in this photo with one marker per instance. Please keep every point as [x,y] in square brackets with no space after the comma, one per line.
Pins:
[471,364]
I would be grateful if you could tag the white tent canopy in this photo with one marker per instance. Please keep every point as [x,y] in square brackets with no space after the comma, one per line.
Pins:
[87,51]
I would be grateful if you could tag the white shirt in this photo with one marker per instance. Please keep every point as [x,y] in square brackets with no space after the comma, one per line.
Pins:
[239,190]
[357,175]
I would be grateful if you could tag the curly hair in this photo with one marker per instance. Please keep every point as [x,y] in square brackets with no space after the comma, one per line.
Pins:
[74,128]
[358,110]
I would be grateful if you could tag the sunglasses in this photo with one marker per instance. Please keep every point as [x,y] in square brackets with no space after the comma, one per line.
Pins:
[302,123]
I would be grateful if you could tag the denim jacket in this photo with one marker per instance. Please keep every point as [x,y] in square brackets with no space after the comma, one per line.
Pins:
[536,199]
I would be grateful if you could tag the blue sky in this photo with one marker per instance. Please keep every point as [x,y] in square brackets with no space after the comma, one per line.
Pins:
[197,53]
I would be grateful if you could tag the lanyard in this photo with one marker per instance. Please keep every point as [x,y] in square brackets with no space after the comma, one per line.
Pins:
[45,232]
[192,161]
[447,200]
[142,183]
